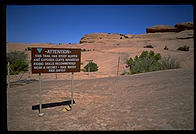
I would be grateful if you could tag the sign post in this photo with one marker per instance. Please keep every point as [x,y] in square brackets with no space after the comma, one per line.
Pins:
[88,70]
[40,95]
[72,83]
[55,60]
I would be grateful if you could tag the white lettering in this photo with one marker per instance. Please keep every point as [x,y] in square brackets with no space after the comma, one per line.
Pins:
[71,59]
[60,70]
[37,67]
[55,51]
[38,63]
[47,59]
[71,67]
[51,70]
[62,56]
[49,63]
[44,55]
[38,55]
[71,56]
[50,67]
[59,59]
[38,59]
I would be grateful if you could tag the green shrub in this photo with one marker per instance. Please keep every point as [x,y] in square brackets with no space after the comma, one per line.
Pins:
[18,66]
[11,56]
[84,70]
[125,73]
[165,48]
[18,63]
[148,46]
[83,50]
[148,62]
[93,67]
[184,48]
[168,63]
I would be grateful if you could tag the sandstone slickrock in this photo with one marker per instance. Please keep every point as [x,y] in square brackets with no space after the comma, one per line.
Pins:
[94,37]
[184,26]
[186,34]
[167,28]
[161,28]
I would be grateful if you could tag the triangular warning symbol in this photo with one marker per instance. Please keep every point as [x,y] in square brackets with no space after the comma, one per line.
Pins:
[39,50]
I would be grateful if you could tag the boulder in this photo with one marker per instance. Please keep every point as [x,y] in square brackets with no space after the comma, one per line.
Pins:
[184,26]
[161,28]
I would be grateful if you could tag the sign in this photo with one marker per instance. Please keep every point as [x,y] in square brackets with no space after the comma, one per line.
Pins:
[55,60]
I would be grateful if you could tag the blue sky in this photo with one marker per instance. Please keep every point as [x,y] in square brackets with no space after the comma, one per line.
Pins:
[68,23]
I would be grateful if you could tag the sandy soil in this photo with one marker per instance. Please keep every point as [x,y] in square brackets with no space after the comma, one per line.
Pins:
[161,100]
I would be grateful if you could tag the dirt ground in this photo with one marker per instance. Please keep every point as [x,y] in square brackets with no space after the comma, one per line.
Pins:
[162,100]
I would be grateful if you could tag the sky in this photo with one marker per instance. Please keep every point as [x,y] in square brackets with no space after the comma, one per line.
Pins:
[68,23]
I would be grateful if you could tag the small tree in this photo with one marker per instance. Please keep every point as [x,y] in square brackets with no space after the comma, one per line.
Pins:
[93,67]
[11,56]
[18,66]
[17,61]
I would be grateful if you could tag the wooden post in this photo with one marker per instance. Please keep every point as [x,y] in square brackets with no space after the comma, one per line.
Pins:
[88,70]
[56,75]
[118,65]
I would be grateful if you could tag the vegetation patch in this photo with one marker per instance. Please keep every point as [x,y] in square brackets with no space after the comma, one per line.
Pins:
[148,46]
[165,48]
[148,62]
[184,48]
[83,50]
[18,62]
[91,66]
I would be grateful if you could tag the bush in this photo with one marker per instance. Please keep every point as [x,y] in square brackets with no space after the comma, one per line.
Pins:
[83,50]
[148,62]
[148,46]
[93,67]
[184,48]
[83,70]
[18,63]
[125,73]
[11,56]
[168,63]
[18,66]
[165,48]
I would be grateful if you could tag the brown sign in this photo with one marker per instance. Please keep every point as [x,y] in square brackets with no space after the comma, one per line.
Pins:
[55,60]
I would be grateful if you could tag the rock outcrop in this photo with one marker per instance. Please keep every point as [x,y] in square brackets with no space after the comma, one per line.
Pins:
[104,37]
[167,28]
[94,37]
[184,26]
[186,34]
[161,28]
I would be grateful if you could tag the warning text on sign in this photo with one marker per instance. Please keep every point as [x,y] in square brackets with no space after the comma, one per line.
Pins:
[55,60]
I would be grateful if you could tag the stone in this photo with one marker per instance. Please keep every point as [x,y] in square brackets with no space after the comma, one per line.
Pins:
[161,28]
[184,26]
